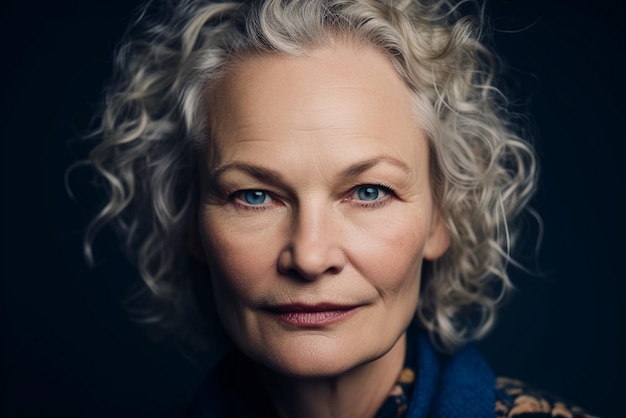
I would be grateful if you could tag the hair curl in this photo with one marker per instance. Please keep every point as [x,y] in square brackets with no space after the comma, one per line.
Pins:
[151,130]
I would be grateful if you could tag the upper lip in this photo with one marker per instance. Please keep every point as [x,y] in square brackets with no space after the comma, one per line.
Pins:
[304,307]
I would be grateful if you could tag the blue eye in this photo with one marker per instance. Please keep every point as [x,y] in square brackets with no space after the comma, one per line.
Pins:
[255,197]
[370,193]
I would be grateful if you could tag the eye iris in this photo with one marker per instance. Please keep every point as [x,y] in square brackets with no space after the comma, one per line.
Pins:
[254,197]
[368,193]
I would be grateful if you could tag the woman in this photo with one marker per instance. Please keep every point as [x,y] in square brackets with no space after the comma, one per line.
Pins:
[333,183]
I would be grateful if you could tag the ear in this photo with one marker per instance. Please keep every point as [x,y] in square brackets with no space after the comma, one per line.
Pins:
[194,242]
[438,240]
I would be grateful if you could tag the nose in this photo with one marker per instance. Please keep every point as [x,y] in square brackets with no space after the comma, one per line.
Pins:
[314,247]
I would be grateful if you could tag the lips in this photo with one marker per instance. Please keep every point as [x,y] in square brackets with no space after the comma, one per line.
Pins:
[311,316]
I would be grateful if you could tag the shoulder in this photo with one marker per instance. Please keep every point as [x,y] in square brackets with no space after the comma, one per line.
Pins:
[516,399]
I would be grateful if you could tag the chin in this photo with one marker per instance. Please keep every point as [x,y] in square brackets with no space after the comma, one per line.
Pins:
[313,357]
[306,368]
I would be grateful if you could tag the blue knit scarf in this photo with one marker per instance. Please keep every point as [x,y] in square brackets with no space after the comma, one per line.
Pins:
[461,385]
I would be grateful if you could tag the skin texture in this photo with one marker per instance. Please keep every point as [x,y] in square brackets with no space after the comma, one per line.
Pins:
[306,136]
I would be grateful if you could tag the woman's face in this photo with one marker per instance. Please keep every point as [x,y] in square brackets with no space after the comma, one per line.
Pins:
[318,209]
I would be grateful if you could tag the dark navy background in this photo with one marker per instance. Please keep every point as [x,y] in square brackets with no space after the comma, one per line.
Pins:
[68,348]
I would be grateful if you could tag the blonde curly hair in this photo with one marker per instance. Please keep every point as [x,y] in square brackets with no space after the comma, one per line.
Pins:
[152,128]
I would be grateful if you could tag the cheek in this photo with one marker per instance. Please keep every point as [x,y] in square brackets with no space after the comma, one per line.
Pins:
[390,251]
[238,260]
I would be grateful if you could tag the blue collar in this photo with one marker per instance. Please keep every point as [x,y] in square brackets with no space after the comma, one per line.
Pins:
[461,385]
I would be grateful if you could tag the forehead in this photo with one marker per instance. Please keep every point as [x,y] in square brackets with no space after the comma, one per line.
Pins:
[339,94]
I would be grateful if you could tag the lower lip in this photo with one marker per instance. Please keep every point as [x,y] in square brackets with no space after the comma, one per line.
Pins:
[314,319]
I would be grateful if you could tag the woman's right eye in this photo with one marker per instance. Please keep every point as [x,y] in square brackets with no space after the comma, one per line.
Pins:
[254,197]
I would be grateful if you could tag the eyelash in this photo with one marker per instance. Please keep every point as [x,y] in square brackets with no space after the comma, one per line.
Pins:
[238,199]
[387,193]
[239,202]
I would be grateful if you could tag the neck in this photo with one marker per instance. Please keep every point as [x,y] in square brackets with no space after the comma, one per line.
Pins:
[358,392]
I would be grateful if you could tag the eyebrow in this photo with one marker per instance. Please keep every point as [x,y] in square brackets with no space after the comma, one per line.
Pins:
[362,166]
[270,175]
[252,170]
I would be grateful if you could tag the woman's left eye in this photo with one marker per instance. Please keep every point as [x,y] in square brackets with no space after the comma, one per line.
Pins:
[370,193]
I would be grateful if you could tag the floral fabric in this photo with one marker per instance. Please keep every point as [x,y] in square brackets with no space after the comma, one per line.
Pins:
[397,403]
[515,399]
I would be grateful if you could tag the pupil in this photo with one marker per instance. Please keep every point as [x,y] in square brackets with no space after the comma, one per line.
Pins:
[368,193]
[254,197]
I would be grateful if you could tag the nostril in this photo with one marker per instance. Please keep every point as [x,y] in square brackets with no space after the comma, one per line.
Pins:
[297,275]
[333,270]
[311,265]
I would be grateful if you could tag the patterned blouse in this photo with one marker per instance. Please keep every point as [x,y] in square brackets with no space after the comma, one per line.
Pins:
[513,399]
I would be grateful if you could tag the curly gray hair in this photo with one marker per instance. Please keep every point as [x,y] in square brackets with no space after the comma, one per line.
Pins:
[151,130]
